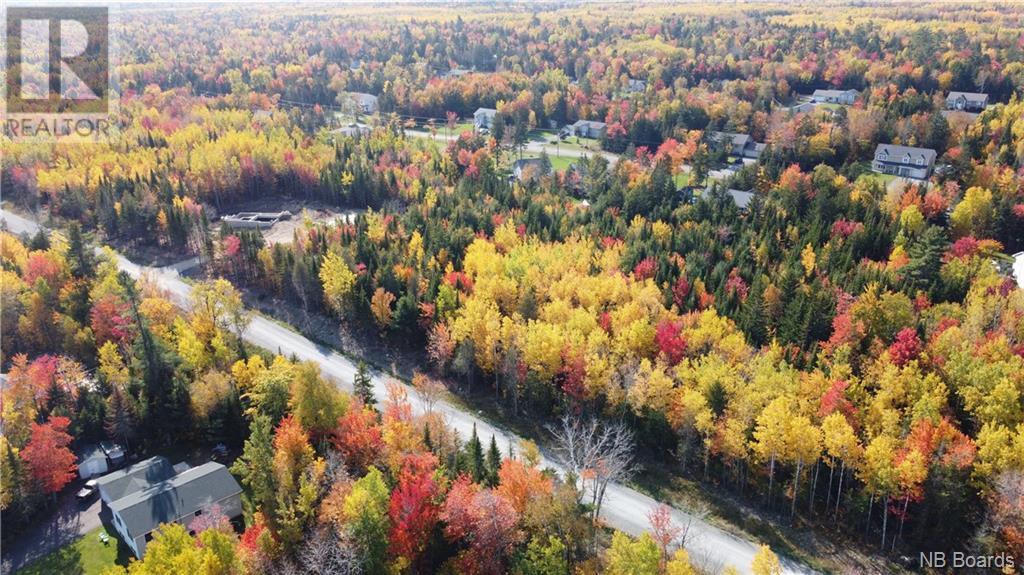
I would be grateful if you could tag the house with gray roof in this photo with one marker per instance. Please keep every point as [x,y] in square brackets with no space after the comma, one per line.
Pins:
[364,103]
[739,146]
[483,118]
[741,198]
[904,161]
[845,97]
[529,169]
[966,101]
[152,492]
[589,129]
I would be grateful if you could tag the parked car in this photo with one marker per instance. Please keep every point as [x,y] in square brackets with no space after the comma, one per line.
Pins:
[88,491]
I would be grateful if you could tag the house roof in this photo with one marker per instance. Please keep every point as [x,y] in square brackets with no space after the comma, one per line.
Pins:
[133,478]
[833,93]
[896,153]
[969,96]
[1018,268]
[741,198]
[589,124]
[489,111]
[363,98]
[90,452]
[175,497]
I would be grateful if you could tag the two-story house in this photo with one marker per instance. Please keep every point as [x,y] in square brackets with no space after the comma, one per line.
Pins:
[904,161]
[589,129]
[966,101]
[151,492]
[739,146]
[483,118]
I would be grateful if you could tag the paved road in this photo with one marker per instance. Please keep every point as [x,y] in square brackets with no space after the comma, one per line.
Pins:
[624,508]
[533,147]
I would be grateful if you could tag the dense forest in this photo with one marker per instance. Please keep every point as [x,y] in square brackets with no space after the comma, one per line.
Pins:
[844,354]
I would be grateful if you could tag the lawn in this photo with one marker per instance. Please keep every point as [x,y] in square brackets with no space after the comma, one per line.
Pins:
[682,179]
[558,163]
[86,556]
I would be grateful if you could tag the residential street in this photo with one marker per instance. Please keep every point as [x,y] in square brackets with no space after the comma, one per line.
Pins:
[624,508]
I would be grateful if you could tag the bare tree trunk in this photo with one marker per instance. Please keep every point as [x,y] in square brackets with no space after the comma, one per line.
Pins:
[828,498]
[867,524]
[885,518]
[839,491]
[903,518]
[814,487]
[771,480]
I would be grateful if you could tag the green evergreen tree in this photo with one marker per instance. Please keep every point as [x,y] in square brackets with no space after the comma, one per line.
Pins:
[254,467]
[362,385]
[473,456]
[493,463]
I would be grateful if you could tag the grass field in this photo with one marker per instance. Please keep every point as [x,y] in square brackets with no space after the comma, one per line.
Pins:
[86,556]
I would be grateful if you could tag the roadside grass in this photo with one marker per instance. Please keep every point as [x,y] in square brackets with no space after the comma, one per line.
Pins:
[85,556]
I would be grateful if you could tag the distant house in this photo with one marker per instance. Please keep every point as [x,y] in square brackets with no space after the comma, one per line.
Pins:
[741,198]
[483,118]
[636,86]
[352,130]
[91,462]
[802,107]
[966,101]
[363,103]
[151,492]
[740,146]
[454,73]
[589,129]
[1018,268]
[529,169]
[845,97]
[904,161]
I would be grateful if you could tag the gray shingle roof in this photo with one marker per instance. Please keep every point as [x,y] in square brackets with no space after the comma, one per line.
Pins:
[741,198]
[179,496]
[135,477]
[969,96]
[833,93]
[897,153]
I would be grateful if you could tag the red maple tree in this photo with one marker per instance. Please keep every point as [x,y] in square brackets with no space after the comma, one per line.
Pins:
[50,463]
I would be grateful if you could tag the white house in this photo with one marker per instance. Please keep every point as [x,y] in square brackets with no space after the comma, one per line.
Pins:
[904,161]
[364,103]
[483,118]
[143,496]
[966,101]
[1018,268]
[589,129]
[92,462]
[845,97]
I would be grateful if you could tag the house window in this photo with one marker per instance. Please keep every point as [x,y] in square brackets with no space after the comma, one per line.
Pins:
[906,159]
[149,537]
[883,156]
[920,161]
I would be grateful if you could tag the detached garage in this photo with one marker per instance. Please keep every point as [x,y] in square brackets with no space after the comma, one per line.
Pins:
[91,462]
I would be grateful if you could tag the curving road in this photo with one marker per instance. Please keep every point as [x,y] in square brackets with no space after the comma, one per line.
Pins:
[624,508]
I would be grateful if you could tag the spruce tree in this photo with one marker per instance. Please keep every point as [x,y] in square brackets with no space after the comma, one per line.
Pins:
[363,386]
[474,458]
[493,463]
